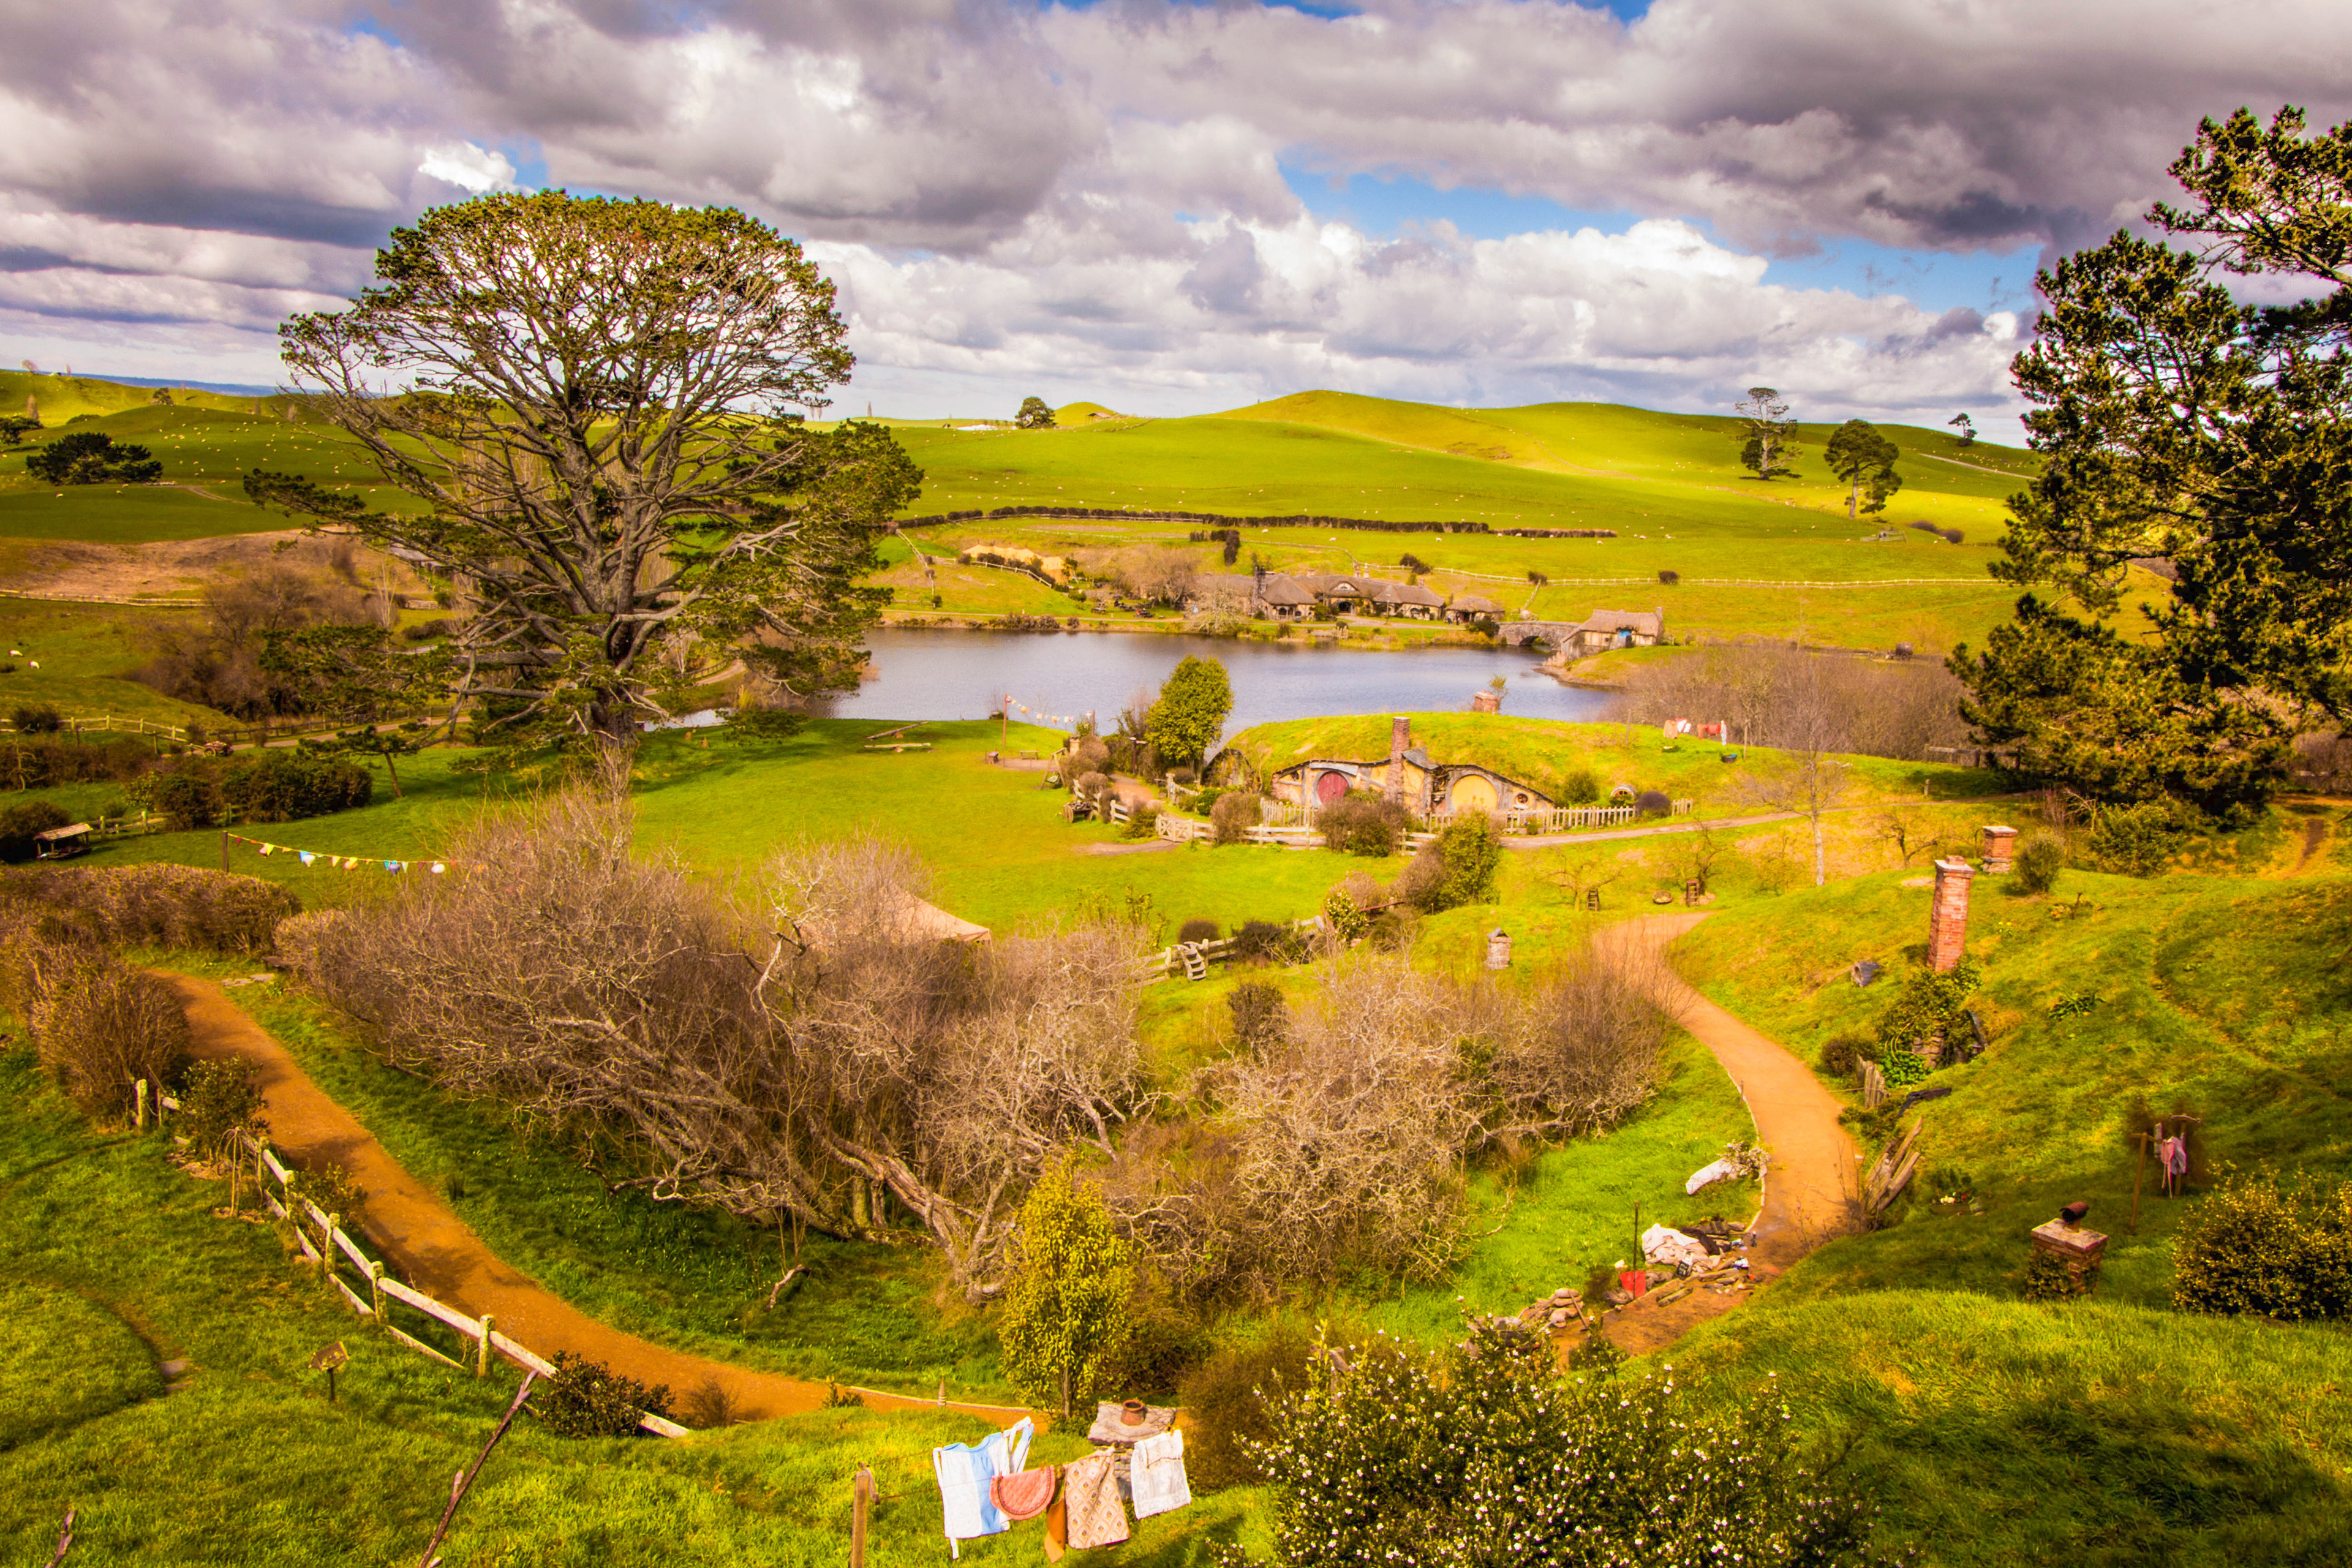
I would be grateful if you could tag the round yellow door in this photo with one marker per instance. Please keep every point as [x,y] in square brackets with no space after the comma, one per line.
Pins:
[1472,791]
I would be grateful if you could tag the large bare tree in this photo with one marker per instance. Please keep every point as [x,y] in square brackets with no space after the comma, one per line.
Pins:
[600,405]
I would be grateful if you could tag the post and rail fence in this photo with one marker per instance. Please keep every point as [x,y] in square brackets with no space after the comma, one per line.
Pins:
[480,1335]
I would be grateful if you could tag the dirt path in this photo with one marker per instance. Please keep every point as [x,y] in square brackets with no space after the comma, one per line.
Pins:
[442,1258]
[1809,1190]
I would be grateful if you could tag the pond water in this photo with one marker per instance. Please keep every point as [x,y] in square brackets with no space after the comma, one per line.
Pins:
[1058,676]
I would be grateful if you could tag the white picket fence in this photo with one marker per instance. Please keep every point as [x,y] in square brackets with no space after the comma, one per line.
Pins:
[333,1241]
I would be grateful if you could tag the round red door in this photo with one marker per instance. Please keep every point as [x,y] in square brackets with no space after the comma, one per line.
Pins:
[1329,788]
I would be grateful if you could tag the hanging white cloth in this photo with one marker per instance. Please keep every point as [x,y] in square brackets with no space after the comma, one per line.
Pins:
[1157,1475]
[964,1472]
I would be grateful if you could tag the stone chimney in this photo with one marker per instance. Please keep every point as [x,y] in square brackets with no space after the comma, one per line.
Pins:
[1999,849]
[1400,742]
[1485,703]
[1947,921]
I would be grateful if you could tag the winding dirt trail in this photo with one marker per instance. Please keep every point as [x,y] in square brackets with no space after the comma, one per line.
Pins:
[1811,1188]
[442,1257]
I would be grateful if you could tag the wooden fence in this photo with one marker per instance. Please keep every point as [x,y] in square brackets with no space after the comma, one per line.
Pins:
[248,735]
[334,1245]
[1192,958]
[1283,823]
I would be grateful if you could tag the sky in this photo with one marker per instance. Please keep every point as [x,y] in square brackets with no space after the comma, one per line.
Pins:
[1168,207]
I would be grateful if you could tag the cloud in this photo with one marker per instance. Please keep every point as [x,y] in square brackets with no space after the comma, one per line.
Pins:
[1094,199]
[469,168]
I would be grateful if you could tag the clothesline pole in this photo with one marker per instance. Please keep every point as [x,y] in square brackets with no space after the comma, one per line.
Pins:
[223,852]
[2139,1171]
[861,1497]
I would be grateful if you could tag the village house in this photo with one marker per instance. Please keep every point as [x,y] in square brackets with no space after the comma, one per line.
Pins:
[1605,629]
[1426,787]
[1468,607]
[1298,596]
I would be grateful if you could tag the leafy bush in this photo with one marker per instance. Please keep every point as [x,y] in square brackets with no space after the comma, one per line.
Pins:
[1261,1016]
[283,787]
[764,724]
[589,1399]
[1394,928]
[217,1100]
[1142,821]
[187,797]
[1480,1452]
[1471,853]
[19,823]
[2259,1245]
[1066,1314]
[1578,786]
[41,762]
[1197,930]
[1361,823]
[1233,812]
[99,1026]
[2037,866]
[1229,1400]
[39,719]
[1653,802]
[1343,919]
[1842,1055]
[2137,841]
[1264,940]
[1927,1004]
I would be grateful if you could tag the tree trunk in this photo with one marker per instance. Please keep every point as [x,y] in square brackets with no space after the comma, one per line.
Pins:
[395,776]
[1820,862]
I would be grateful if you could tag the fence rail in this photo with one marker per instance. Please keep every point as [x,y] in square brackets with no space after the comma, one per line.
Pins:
[1172,960]
[288,1204]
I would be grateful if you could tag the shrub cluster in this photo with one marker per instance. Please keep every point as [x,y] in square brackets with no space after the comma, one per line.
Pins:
[1233,812]
[2037,866]
[159,905]
[1457,868]
[277,785]
[1481,1452]
[1361,823]
[2264,1245]
[98,1026]
[1928,1004]
[47,761]
[589,1399]
[19,823]
[220,1100]
[1230,1401]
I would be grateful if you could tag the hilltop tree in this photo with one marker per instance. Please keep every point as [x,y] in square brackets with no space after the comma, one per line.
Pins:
[1965,426]
[1768,436]
[604,417]
[93,458]
[1035,414]
[1864,459]
[2176,422]
[1190,712]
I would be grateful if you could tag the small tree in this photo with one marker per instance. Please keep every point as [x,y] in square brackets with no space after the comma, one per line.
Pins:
[1066,1316]
[1864,459]
[1035,414]
[93,458]
[1190,713]
[1768,435]
[1965,426]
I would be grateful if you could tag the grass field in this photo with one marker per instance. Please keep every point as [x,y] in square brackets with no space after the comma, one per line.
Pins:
[110,1263]
[86,654]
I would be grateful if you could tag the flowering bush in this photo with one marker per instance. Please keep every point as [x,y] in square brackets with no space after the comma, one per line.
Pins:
[1481,1453]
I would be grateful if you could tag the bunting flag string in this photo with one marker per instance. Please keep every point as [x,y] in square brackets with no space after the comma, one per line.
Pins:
[1051,720]
[340,862]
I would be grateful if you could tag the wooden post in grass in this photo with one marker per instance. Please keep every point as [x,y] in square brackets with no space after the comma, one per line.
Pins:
[141,1123]
[2139,1171]
[861,1498]
[482,1356]
[375,1290]
[224,849]
[327,1248]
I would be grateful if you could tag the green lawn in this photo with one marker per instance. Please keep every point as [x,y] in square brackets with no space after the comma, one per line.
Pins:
[86,654]
[112,1262]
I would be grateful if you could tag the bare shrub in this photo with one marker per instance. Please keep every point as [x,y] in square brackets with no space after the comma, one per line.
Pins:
[1361,823]
[1584,1051]
[165,906]
[1877,708]
[100,1027]
[216,659]
[814,1053]
[1236,810]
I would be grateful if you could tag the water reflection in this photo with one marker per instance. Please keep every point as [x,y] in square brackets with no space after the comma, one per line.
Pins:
[962,675]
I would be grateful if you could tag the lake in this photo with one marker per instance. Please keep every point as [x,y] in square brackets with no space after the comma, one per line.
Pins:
[1058,676]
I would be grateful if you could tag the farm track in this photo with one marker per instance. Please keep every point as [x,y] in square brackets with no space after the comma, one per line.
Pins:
[441,1256]
[1810,1189]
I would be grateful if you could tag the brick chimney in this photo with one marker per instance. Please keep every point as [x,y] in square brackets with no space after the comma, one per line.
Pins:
[1400,742]
[1947,921]
[1999,849]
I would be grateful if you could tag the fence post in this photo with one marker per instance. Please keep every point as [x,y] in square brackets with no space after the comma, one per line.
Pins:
[375,1290]
[482,1360]
[327,1248]
[141,1112]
